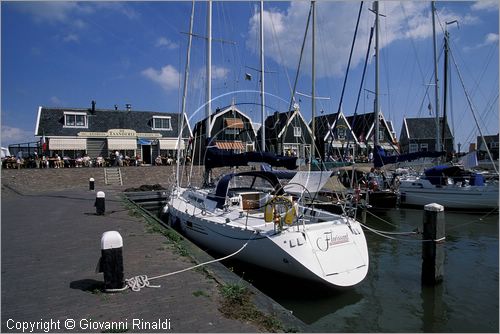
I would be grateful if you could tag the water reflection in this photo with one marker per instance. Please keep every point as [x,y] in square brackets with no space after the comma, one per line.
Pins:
[391,298]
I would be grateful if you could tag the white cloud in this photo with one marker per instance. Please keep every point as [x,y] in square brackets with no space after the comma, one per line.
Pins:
[168,77]
[11,135]
[218,73]
[71,38]
[489,39]
[485,5]
[284,31]
[54,11]
[71,12]
[55,101]
[165,42]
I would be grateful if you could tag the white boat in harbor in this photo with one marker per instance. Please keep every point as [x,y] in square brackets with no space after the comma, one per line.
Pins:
[451,186]
[252,208]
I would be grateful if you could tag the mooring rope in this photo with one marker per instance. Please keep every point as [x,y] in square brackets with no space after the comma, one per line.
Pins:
[385,235]
[139,282]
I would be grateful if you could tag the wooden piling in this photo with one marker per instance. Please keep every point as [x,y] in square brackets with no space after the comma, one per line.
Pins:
[433,244]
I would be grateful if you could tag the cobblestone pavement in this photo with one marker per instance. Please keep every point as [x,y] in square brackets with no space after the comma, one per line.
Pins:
[51,245]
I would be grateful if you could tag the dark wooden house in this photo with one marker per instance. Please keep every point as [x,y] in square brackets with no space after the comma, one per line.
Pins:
[334,136]
[363,126]
[419,134]
[492,144]
[230,129]
[74,132]
[287,133]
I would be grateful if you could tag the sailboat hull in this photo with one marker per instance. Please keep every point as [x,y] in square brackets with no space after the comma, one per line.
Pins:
[416,193]
[328,252]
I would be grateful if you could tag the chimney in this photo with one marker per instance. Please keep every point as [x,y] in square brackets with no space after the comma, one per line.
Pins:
[128,106]
[93,106]
[116,107]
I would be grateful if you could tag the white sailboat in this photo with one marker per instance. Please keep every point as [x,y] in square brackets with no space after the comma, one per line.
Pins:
[252,217]
[452,186]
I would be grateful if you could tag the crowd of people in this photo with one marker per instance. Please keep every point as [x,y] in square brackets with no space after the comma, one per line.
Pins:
[115,159]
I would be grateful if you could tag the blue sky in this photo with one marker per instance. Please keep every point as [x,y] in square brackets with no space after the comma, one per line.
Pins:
[65,54]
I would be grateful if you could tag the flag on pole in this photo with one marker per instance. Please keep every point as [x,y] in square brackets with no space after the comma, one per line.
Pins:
[43,143]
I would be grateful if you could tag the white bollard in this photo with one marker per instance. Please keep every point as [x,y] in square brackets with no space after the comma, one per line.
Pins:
[100,203]
[111,262]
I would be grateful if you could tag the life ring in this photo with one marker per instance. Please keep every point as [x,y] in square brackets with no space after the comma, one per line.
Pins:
[272,214]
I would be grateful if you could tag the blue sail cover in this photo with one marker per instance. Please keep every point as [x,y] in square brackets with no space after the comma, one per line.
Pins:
[215,157]
[380,158]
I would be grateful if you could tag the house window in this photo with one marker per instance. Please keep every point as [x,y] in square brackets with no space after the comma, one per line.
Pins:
[231,131]
[424,147]
[75,120]
[493,145]
[162,123]
[341,133]
[297,131]
[413,148]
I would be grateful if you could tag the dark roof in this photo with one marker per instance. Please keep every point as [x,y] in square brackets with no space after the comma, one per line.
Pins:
[51,122]
[361,124]
[488,138]
[199,127]
[425,128]
[275,123]
[323,124]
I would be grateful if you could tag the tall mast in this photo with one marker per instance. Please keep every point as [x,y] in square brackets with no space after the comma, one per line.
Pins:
[313,78]
[377,53]
[184,93]
[445,88]
[262,97]
[208,107]
[436,87]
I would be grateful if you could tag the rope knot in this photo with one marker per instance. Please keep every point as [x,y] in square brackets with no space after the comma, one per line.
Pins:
[136,283]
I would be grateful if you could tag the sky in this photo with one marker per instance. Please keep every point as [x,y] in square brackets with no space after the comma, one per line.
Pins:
[66,54]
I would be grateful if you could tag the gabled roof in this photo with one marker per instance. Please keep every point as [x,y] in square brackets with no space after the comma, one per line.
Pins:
[50,121]
[200,125]
[278,122]
[323,124]
[424,128]
[361,125]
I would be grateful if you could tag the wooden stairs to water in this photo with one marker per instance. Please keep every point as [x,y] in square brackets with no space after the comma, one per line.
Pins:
[113,176]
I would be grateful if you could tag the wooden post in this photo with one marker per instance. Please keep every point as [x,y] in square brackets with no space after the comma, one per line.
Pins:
[433,251]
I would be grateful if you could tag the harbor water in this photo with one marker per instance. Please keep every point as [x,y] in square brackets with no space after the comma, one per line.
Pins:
[392,298]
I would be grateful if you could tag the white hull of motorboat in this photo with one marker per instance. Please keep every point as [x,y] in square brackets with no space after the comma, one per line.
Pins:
[330,249]
[419,192]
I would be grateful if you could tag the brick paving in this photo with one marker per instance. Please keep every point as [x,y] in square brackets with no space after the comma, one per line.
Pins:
[51,245]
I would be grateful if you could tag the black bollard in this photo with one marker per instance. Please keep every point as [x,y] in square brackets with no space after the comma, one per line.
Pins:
[433,250]
[91,183]
[111,262]
[100,203]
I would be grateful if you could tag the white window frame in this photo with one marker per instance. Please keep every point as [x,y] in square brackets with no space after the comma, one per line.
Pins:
[75,114]
[297,131]
[424,145]
[162,128]
[412,148]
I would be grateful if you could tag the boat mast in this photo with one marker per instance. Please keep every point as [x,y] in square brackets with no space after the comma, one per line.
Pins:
[184,94]
[208,106]
[377,104]
[445,88]
[313,75]
[436,87]
[262,97]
